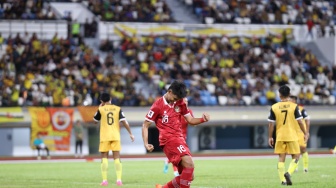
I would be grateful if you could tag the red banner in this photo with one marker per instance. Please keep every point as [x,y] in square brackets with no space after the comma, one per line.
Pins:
[61,121]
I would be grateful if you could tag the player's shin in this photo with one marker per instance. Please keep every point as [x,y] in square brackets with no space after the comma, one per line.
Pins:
[173,183]
[305,160]
[104,168]
[292,166]
[281,171]
[118,168]
[186,177]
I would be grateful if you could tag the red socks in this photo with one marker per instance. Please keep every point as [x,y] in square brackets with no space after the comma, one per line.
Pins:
[186,177]
[182,181]
[173,183]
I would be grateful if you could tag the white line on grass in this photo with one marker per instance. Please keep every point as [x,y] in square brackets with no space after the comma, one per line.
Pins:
[156,159]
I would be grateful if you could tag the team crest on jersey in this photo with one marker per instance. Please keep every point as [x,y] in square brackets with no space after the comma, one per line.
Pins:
[177,109]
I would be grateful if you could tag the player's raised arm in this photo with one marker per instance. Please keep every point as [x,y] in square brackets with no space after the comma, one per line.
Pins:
[145,127]
[195,121]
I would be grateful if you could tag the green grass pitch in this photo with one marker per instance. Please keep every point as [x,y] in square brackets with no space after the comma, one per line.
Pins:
[209,173]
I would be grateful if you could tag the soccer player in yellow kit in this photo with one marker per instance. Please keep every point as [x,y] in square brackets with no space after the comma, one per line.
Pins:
[109,116]
[302,143]
[285,114]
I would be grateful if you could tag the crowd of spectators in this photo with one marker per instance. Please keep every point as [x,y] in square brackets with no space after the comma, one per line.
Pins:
[232,67]
[90,28]
[131,11]
[321,14]
[266,11]
[60,72]
[27,10]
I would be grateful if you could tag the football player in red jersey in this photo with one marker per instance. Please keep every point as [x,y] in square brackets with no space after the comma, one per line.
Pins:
[184,127]
[166,114]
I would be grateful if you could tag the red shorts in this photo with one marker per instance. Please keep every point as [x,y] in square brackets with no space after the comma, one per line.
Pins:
[175,149]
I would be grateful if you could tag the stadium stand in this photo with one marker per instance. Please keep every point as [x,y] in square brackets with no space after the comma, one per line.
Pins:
[245,71]
[30,10]
[218,69]
[263,11]
[132,11]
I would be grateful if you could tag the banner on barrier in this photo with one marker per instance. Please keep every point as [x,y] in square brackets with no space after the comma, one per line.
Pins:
[87,112]
[11,114]
[54,124]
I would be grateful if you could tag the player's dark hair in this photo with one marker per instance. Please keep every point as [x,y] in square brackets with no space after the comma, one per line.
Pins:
[105,97]
[179,89]
[284,91]
[293,97]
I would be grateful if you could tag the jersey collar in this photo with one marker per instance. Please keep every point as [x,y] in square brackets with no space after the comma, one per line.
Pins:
[166,103]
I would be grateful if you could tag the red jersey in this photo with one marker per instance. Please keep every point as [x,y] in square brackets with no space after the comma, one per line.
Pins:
[167,118]
[184,126]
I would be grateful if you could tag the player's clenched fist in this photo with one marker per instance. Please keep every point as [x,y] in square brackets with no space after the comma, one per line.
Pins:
[206,117]
[149,147]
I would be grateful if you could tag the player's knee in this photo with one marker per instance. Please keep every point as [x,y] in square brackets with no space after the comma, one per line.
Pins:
[296,156]
[188,164]
[303,149]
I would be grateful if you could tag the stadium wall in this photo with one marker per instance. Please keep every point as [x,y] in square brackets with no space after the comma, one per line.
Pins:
[230,128]
[327,47]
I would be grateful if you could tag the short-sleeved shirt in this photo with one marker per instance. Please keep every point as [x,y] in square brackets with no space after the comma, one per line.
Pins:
[167,118]
[304,116]
[285,116]
[109,116]
[297,128]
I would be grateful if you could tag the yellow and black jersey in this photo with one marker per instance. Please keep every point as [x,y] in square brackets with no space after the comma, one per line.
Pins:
[304,116]
[109,116]
[285,116]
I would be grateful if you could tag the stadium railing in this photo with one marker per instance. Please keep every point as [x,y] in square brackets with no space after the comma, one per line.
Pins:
[44,29]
